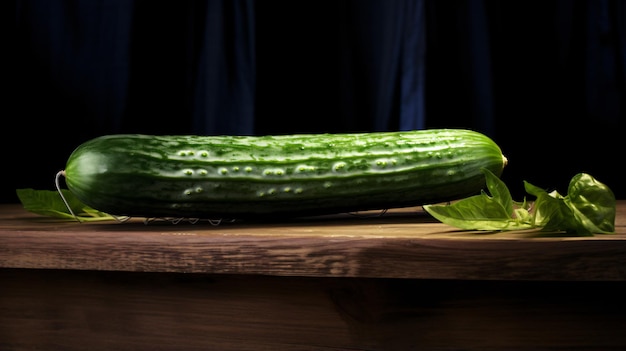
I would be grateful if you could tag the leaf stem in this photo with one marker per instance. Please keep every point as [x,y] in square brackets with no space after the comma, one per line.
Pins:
[58,187]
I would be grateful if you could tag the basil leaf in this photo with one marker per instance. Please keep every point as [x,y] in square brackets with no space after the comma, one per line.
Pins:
[552,214]
[49,203]
[482,212]
[593,204]
[499,191]
[479,212]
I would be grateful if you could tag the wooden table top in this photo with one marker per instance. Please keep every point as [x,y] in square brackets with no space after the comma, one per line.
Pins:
[402,243]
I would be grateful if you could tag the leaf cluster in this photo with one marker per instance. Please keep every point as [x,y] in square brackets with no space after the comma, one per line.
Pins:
[588,208]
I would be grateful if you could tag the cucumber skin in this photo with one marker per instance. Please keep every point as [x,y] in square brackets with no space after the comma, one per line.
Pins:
[278,175]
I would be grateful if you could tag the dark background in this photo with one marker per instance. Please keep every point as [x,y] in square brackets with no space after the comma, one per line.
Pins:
[545,79]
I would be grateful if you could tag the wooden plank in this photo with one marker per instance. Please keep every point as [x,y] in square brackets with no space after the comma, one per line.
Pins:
[401,244]
[80,310]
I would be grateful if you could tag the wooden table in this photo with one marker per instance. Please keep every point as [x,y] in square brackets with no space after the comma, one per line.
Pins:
[366,281]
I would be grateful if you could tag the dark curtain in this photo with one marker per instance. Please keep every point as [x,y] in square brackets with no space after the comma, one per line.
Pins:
[545,79]
[559,89]
[337,66]
[83,68]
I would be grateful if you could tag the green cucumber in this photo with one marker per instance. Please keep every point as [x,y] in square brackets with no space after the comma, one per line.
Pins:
[190,176]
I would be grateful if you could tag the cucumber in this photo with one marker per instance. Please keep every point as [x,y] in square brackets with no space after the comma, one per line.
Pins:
[191,176]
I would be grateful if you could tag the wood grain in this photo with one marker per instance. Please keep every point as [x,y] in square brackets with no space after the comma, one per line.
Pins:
[400,244]
[393,282]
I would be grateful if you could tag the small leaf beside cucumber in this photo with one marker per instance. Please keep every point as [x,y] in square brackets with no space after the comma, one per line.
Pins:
[49,203]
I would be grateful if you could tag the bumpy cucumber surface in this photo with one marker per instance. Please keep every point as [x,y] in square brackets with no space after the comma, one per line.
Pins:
[278,175]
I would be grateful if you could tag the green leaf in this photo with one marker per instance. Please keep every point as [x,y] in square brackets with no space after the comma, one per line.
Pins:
[481,212]
[552,214]
[593,204]
[49,203]
[499,191]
